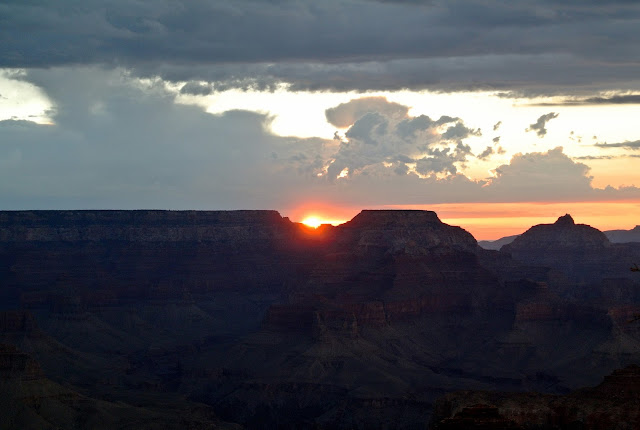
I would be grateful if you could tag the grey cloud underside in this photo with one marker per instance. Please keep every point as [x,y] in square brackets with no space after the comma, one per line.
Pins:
[197,89]
[529,47]
[486,153]
[539,127]
[595,157]
[620,99]
[635,146]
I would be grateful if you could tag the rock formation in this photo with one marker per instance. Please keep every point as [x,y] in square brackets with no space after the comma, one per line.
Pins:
[271,324]
[581,252]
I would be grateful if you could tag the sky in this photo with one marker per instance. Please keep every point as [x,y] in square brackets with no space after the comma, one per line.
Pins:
[498,115]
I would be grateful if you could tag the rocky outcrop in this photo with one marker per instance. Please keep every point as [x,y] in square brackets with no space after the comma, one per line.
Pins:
[611,405]
[406,231]
[563,234]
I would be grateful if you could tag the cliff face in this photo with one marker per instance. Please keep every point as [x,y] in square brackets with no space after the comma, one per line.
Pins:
[133,254]
[140,226]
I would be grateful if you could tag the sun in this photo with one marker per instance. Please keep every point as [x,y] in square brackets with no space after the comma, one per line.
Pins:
[313,221]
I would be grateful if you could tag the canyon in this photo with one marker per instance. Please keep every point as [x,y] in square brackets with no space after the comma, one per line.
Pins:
[244,319]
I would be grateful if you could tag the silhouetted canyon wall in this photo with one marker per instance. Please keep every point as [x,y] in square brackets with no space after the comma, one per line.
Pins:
[246,317]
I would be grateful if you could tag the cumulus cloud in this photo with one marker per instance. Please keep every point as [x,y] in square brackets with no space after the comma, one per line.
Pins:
[383,134]
[346,114]
[535,175]
[540,125]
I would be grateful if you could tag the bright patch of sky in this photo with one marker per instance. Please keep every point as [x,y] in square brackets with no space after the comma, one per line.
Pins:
[576,128]
[21,100]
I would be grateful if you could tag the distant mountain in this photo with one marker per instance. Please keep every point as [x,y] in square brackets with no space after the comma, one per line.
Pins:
[614,236]
[581,252]
[624,236]
[495,245]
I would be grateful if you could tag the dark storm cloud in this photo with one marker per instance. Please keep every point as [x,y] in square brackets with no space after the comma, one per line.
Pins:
[527,47]
[540,125]
[635,146]
[197,89]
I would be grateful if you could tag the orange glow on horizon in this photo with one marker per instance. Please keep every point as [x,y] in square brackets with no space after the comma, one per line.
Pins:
[491,221]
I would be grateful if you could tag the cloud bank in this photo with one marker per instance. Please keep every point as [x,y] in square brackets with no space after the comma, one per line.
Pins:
[118,142]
